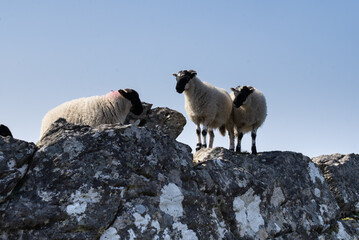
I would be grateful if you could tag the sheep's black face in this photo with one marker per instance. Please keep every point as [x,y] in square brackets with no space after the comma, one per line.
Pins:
[183,78]
[5,131]
[133,96]
[241,94]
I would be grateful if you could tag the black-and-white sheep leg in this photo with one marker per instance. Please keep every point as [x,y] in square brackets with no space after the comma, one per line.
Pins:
[198,133]
[204,136]
[240,136]
[254,135]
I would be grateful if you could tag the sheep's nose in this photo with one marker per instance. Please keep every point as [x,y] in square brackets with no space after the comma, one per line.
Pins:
[179,89]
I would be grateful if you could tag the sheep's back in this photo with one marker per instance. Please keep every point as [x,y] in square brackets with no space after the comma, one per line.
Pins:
[91,111]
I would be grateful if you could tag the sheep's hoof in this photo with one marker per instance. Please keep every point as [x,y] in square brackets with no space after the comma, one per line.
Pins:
[254,150]
[238,149]
[198,146]
[231,149]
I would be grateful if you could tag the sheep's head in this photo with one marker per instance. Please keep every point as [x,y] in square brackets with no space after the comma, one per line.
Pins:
[5,131]
[241,94]
[183,78]
[134,98]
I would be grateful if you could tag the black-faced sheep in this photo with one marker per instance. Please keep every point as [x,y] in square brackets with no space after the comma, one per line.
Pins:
[5,131]
[205,105]
[93,111]
[249,113]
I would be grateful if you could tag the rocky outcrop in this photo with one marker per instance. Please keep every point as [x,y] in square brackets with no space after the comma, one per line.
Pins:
[14,157]
[163,119]
[136,182]
[338,171]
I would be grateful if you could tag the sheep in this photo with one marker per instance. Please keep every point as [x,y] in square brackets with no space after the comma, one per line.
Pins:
[5,131]
[205,105]
[93,111]
[249,113]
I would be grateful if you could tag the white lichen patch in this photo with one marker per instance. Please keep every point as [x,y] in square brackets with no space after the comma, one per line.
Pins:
[80,200]
[171,200]
[77,209]
[155,224]
[221,226]
[314,173]
[187,234]
[141,222]
[277,197]
[132,234]
[247,212]
[342,234]
[46,196]
[73,147]
[166,235]
[110,234]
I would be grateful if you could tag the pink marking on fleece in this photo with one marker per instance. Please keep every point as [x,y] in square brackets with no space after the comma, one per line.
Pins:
[113,94]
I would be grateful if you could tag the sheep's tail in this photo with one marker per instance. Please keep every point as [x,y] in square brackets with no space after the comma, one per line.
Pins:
[222,130]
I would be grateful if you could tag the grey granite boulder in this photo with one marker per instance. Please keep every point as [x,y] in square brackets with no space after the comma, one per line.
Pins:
[269,195]
[162,119]
[133,182]
[342,174]
[14,158]
[82,181]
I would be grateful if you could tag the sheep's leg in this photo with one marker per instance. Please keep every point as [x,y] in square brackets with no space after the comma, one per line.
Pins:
[198,133]
[240,136]
[231,140]
[211,138]
[204,135]
[254,135]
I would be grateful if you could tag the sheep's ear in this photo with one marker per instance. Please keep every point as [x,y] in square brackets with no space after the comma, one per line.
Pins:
[193,73]
[175,74]
[251,89]
[233,90]
[122,92]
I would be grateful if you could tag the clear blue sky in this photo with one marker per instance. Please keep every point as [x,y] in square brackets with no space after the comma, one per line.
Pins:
[303,55]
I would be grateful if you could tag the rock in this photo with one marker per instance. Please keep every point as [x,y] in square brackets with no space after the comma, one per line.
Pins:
[268,195]
[14,158]
[82,181]
[135,182]
[168,121]
[339,171]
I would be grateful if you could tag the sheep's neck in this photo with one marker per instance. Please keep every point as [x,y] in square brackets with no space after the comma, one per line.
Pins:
[119,105]
[192,91]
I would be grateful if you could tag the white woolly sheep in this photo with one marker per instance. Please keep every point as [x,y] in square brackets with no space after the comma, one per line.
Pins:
[96,110]
[205,105]
[249,113]
[5,131]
